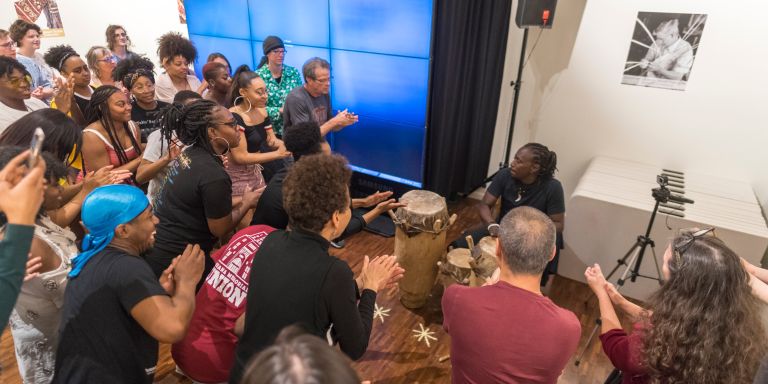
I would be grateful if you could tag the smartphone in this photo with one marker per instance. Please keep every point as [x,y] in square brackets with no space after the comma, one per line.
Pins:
[34,147]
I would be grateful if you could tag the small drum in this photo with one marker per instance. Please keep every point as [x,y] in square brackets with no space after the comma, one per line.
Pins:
[457,268]
[420,243]
[483,261]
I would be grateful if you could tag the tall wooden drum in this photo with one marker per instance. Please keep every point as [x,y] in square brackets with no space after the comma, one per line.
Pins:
[419,243]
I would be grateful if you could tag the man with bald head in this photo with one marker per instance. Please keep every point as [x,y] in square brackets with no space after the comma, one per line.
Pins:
[507,331]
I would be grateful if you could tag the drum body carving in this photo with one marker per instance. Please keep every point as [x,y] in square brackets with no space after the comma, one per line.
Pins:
[419,243]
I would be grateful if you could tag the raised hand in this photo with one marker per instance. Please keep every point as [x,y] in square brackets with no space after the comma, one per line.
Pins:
[189,265]
[21,195]
[380,272]
[595,278]
[33,265]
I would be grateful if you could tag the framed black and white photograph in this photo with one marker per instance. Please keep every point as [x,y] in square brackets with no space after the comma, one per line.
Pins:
[663,49]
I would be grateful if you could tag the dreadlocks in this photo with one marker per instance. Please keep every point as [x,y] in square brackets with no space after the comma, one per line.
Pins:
[546,159]
[189,122]
[98,110]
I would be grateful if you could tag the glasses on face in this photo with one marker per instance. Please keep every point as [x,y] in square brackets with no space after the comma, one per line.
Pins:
[121,34]
[16,81]
[9,45]
[109,59]
[279,51]
[232,123]
[689,236]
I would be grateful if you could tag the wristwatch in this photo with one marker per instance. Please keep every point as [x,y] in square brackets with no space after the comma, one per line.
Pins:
[493,229]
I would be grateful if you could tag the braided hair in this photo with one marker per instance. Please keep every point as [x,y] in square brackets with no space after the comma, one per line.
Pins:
[546,159]
[58,55]
[189,122]
[131,68]
[98,110]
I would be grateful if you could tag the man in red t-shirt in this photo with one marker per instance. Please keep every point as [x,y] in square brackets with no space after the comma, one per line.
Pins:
[207,352]
[507,331]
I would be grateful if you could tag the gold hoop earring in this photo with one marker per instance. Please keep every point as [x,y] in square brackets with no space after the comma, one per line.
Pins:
[226,142]
[250,106]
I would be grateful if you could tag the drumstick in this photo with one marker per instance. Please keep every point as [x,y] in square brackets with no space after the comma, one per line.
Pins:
[470,242]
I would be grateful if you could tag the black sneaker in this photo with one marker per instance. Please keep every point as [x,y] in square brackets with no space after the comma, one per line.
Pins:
[337,244]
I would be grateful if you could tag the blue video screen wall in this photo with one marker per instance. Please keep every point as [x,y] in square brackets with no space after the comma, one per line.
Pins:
[380,60]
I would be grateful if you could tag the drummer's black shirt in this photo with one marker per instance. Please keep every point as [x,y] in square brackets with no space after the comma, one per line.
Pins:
[295,281]
[546,195]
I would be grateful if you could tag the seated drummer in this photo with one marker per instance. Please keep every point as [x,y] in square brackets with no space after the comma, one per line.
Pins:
[528,182]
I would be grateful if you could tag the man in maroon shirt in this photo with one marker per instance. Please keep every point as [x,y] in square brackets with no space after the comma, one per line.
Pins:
[507,331]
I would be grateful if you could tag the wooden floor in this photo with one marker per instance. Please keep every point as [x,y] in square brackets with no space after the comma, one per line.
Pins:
[394,355]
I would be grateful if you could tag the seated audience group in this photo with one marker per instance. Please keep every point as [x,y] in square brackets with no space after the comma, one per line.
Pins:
[165,209]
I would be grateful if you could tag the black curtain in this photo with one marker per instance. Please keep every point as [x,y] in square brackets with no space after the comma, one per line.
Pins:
[470,40]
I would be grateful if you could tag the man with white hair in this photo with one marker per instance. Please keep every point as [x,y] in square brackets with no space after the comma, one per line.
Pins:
[669,57]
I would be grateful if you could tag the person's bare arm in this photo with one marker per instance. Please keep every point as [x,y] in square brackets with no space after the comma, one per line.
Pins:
[608,317]
[239,326]
[559,221]
[222,226]
[485,208]
[240,154]
[166,318]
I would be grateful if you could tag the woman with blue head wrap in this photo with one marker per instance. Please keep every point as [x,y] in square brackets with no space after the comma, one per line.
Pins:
[115,310]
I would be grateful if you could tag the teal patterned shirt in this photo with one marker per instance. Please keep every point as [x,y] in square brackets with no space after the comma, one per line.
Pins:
[278,91]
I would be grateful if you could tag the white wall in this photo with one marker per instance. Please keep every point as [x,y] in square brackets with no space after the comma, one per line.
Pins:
[85,22]
[581,110]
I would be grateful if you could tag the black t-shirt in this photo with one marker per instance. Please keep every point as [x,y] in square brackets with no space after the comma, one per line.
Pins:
[295,281]
[546,195]
[99,340]
[197,189]
[270,210]
[256,138]
[147,119]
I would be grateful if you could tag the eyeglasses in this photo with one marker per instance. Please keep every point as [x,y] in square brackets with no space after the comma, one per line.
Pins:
[123,34]
[16,81]
[689,236]
[279,51]
[9,45]
[109,59]
[232,123]
[324,81]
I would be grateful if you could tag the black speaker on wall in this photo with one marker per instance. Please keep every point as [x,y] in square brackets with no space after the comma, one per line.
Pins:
[535,13]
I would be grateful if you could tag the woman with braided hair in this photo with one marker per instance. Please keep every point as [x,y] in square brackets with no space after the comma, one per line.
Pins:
[529,181]
[66,60]
[137,76]
[111,138]
[194,205]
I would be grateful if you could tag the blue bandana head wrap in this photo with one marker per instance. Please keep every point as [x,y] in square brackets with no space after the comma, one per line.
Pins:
[103,210]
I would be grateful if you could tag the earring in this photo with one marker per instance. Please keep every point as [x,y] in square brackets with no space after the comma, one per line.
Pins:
[226,142]
[246,99]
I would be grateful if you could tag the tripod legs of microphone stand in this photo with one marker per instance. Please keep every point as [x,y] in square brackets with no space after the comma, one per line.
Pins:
[632,255]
